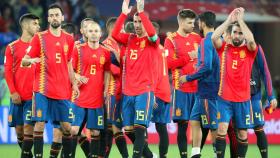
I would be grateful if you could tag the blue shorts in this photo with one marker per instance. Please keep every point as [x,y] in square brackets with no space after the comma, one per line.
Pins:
[161,112]
[20,114]
[45,109]
[93,118]
[205,110]
[240,112]
[258,117]
[137,109]
[117,115]
[182,104]
[72,116]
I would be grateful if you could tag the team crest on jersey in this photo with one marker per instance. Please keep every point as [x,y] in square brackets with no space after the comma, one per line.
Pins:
[10,118]
[178,112]
[65,48]
[242,54]
[39,113]
[218,115]
[142,44]
[102,60]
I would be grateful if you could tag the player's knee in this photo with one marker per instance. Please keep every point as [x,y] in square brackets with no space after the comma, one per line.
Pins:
[57,135]
[128,128]
[28,129]
[258,128]
[116,129]
[242,134]
[222,129]
[195,124]
[75,130]
[19,130]
[66,127]
[94,132]
[39,126]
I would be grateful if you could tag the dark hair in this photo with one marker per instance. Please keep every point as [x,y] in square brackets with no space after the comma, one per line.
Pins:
[229,29]
[28,16]
[55,6]
[69,28]
[111,21]
[85,19]
[209,18]
[129,27]
[186,13]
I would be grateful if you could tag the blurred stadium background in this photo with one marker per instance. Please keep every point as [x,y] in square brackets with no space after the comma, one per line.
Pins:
[262,16]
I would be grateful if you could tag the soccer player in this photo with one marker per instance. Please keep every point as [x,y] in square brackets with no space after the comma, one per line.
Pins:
[182,47]
[236,60]
[20,82]
[260,72]
[91,61]
[138,78]
[51,51]
[83,28]
[113,101]
[205,109]
[161,109]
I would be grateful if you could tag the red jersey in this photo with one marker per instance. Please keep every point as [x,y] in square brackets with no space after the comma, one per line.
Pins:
[235,72]
[138,76]
[179,60]
[162,90]
[19,79]
[114,87]
[91,63]
[51,74]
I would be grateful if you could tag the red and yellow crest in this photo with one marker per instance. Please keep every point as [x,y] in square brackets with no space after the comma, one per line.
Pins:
[142,44]
[102,60]
[10,118]
[242,54]
[39,113]
[65,48]
[178,112]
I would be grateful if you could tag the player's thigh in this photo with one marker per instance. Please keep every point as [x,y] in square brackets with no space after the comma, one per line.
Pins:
[27,112]
[257,111]
[15,117]
[61,111]
[161,113]
[225,111]
[128,110]
[242,115]
[209,113]
[117,117]
[95,120]
[40,108]
[143,108]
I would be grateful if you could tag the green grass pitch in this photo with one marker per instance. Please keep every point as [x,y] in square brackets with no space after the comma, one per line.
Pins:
[12,151]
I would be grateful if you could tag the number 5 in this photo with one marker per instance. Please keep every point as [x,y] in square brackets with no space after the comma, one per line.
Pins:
[58,57]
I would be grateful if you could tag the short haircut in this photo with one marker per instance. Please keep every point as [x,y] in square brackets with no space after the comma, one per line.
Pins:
[85,19]
[69,28]
[209,18]
[229,29]
[55,6]
[111,21]
[129,27]
[28,16]
[186,13]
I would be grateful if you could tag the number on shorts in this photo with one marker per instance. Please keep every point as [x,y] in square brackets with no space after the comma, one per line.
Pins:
[140,115]
[204,120]
[100,121]
[248,120]
[258,115]
[28,115]
[71,114]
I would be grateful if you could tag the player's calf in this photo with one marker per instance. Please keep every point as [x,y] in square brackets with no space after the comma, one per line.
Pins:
[95,143]
[27,141]
[242,143]
[56,144]
[164,141]
[261,141]
[66,139]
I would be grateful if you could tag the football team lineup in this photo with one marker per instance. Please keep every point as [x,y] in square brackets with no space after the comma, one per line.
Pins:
[97,92]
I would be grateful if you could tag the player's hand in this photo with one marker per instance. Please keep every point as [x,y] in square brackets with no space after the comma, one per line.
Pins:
[83,79]
[155,105]
[16,98]
[232,16]
[193,54]
[35,60]
[183,79]
[126,9]
[140,5]
[273,103]
[240,14]
[76,91]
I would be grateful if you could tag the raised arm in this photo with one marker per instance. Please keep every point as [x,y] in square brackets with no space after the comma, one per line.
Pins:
[153,37]
[116,33]
[251,44]
[216,36]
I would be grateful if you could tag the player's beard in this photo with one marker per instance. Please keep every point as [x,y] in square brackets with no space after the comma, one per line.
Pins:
[237,43]
[55,25]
